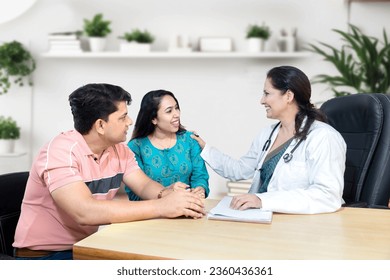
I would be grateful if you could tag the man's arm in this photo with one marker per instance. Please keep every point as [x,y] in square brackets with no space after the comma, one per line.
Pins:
[142,185]
[146,188]
[78,202]
[121,194]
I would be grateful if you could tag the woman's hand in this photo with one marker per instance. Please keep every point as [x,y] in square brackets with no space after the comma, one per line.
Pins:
[181,203]
[199,191]
[196,137]
[178,186]
[245,201]
[175,187]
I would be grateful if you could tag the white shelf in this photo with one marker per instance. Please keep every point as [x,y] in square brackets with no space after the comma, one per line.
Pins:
[261,55]
[16,154]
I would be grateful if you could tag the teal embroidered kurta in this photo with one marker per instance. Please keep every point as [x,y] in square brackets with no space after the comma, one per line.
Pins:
[182,162]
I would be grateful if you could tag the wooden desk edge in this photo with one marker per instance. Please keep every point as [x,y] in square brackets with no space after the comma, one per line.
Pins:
[82,253]
[87,253]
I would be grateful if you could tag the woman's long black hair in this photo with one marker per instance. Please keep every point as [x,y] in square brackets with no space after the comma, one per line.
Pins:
[286,78]
[148,111]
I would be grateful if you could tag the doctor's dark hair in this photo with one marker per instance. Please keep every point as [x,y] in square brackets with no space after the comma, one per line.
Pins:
[148,111]
[95,101]
[286,78]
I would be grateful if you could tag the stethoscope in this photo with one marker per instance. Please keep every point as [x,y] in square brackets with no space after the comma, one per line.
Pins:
[286,157]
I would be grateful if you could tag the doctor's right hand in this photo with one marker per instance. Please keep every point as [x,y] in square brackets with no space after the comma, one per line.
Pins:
[196,137]
[245,201]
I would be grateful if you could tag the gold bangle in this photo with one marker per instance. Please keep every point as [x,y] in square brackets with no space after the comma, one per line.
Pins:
[160,194]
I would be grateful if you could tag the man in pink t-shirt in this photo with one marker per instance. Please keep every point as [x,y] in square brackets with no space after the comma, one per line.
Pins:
[75,177]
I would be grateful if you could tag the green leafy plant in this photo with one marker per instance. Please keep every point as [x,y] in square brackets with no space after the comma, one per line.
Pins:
[97,27]
[138,36]
[363,63]
[15,61]
[9,128]
[258,31]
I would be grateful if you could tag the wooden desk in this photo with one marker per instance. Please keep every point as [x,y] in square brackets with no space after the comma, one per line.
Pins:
[351,233]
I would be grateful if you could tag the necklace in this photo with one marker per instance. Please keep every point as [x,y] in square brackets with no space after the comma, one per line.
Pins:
[162,143]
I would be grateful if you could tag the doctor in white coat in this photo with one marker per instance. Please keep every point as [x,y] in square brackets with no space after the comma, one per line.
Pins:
[297,164]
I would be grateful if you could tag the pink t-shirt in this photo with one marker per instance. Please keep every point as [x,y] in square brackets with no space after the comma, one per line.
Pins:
[66,159]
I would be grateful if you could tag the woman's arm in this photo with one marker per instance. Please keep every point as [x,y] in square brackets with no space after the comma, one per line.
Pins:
[199,175]
[135,147]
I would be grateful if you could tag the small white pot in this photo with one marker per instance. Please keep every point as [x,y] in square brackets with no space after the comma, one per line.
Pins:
[7,146]
[256,45]
[133,47]
[97,44]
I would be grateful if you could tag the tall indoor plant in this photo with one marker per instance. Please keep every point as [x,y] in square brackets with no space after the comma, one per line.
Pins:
[97,30]
[362,62]
[17,63]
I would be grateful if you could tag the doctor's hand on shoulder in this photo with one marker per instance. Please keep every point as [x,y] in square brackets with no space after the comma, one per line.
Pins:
[245,201]
[196,137]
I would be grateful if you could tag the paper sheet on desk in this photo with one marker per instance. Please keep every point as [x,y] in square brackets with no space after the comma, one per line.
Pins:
[223,212]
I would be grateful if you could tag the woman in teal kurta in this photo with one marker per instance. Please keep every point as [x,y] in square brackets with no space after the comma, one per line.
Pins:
[163,148]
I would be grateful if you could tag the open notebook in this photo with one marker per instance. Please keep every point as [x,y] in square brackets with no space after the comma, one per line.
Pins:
[223,212]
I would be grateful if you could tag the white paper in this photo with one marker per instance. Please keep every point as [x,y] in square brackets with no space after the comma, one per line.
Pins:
[223,212]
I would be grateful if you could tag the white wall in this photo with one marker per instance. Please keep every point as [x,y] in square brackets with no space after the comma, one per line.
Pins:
[219,97]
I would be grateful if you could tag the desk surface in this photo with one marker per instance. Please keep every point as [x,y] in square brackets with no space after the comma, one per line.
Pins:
[351,233]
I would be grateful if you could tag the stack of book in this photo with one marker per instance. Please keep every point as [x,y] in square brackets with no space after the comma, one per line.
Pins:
[64,42]
[238,187]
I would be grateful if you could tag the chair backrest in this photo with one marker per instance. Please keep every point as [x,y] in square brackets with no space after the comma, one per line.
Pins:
[12,187]
[376,190]
[362,119]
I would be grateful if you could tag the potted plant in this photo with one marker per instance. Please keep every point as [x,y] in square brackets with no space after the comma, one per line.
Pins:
[97,29]
[256,36]
[362,62]
[9,132]
[15,61]
[136,41]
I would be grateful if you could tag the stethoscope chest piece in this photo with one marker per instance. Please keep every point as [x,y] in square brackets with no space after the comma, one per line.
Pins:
[287,157]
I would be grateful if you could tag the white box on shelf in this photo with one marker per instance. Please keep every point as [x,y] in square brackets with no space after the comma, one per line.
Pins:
[215,44]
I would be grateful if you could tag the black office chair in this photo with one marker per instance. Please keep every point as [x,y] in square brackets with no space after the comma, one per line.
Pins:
[12,187]
[363,120]
[376,189]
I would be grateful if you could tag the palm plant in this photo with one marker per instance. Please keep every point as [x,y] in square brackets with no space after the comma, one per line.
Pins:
[363,63]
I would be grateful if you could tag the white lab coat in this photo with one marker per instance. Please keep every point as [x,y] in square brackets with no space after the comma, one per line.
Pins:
[312,182]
